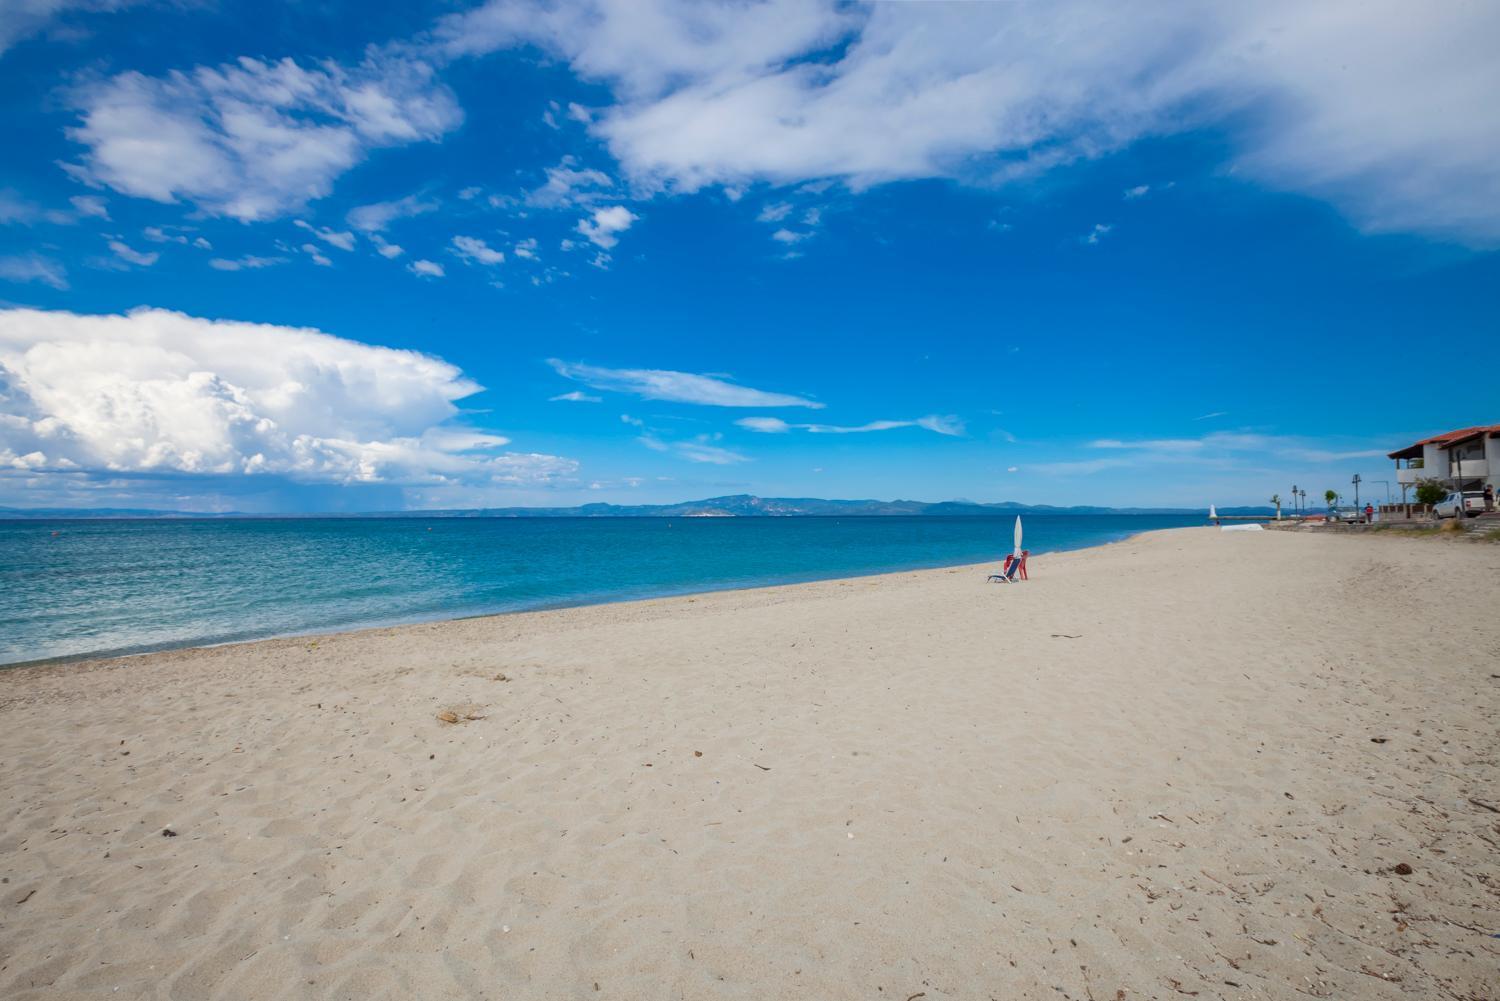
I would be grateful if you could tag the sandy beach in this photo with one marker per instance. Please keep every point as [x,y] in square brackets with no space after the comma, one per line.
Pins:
[1193,764]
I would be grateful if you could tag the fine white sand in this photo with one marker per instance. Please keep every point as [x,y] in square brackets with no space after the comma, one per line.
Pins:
[1184,765]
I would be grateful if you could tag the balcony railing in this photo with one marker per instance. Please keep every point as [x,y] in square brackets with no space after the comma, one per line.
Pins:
[1469,469]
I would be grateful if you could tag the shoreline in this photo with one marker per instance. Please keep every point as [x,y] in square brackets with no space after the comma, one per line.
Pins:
[123,653]
[1233,765]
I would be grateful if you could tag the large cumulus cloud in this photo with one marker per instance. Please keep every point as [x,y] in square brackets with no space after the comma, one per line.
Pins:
[156,392]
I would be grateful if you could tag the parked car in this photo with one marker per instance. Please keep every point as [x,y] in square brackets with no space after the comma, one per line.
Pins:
[1459,503]
[1350,514]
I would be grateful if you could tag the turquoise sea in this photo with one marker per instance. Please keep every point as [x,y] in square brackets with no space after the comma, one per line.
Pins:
[70,588]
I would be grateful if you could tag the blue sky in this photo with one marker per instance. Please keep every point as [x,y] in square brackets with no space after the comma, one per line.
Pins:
[306,257]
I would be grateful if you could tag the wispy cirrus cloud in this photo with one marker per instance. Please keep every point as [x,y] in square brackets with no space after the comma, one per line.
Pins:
[130,255]
[945,425]
[378,216]
[22,19]
[33,267]
[698,449]
[576,396]
[1233,445]
[249,262]
[1333,100]
[342,239]
[676,387]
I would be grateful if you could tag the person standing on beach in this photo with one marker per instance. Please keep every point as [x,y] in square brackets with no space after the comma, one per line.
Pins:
[1369,514]
[1489,498]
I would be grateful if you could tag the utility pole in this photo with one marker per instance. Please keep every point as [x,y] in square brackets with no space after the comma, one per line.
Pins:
[1356,482]
[1294,500]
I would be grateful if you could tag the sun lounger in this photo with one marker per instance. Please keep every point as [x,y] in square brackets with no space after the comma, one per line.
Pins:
[1007,574]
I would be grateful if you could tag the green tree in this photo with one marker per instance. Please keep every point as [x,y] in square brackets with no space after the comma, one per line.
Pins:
[1276,499]
[1330,496]
[1431,491]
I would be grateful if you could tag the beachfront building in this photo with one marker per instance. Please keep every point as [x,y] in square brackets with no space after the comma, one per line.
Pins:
[1466,459]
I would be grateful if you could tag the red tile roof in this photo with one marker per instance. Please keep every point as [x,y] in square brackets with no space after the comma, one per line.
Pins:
[1446,438]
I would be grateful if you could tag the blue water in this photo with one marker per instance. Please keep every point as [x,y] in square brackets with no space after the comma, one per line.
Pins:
[69,588]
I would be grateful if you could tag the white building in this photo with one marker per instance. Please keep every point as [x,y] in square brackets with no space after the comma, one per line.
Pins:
[1465,459]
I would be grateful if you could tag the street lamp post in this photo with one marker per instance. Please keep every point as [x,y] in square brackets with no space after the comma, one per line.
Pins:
[1356,481]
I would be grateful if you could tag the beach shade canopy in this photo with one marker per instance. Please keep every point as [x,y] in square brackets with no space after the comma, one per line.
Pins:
[1018,536]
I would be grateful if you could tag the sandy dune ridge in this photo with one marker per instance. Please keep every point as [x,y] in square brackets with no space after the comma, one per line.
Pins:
[1192,764]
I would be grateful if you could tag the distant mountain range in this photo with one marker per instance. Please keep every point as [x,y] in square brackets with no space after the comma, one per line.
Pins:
[736,506]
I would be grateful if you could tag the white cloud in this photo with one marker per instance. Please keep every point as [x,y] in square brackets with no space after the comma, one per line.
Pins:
[156,392]
[774,425]
[89,206]
[175,234]
[1382,108]
[390,251]
[252,139]
[317,255]
[699,449]
[426,269]
[476,251]
[525,249]
[376,218]
[132,256]
[15,209]
[1139,191]
[568,184]
[33,268]
[775,212]
[766,425]
[577,396]
[342,240]
[676,387]
[941,424]
[1151,444]
[606,223]
[1098,233]
[22,19]
[249,262]
[632,421]
[1228,449]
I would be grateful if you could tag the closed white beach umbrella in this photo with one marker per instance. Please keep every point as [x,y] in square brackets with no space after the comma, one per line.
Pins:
[1018,536]
[1213,515]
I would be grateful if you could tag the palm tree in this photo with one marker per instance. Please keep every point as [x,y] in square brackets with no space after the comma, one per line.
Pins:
[1330,496]
[1276,499]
